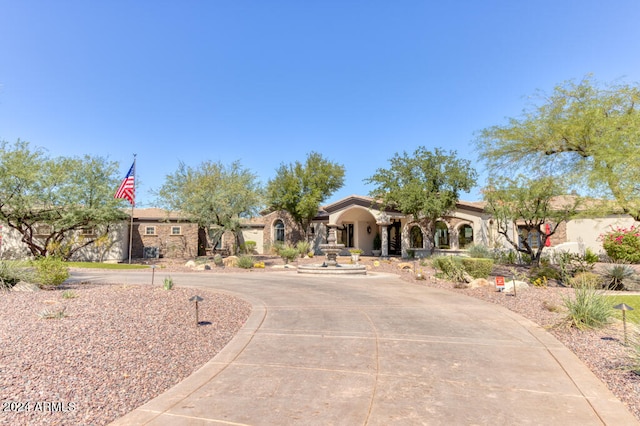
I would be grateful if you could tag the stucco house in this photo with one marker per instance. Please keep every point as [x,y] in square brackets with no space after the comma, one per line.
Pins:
[358,221]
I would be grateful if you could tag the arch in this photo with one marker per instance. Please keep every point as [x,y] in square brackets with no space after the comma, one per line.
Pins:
[416,237]
[442,236]
[278,231]
[465,235]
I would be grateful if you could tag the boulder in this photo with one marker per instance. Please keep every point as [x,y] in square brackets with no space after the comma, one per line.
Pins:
[479,282]
[230,261]
[520,285]
[405,265]
[25,286]
[190,264]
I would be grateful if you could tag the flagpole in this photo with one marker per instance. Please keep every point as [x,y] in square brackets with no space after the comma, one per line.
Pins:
[132,207]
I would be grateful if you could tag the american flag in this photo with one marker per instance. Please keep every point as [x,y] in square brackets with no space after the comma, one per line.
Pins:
[127,187]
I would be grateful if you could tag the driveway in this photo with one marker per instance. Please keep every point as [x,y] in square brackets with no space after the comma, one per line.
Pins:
[374,350]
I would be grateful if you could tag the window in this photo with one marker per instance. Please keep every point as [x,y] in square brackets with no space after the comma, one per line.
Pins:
[42,229]
[532,237]
[278,231]
[465,236]
[442,235]
[150,230]
[176,230]
[415,237]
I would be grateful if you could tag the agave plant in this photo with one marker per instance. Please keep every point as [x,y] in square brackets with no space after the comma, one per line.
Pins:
[615,275]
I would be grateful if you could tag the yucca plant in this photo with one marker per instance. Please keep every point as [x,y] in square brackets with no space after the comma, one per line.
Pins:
[614,276]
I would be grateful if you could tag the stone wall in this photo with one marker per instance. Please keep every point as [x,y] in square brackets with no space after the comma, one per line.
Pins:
[168,244]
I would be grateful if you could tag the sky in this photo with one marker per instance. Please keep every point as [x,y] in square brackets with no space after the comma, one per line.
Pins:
[265,82]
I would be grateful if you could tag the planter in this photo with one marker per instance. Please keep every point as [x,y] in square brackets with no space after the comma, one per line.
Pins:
[355,257]
[376,253]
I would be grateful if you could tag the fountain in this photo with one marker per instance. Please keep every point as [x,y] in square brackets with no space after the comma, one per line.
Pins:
[331,266]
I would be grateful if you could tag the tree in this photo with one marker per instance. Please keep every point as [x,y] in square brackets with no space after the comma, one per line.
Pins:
[50,202]
[300,188]
[425,184]
[214,196]
[524,205]
[586,134]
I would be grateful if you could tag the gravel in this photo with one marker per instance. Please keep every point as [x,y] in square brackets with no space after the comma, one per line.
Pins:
[120,346]
[116,348]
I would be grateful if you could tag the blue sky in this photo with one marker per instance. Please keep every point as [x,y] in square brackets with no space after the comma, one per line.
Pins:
[266,82]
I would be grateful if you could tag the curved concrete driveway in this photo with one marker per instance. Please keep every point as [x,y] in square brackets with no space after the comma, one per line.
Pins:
[374,350]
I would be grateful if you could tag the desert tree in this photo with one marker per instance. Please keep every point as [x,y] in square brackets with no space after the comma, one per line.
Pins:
[53,202]
[425,184]
[300,188]
[214,195]
[584,133]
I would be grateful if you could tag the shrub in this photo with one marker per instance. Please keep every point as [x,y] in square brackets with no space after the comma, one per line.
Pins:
[245,262]
[622,244]
[479,252]
[586,279]
[589,309]
[168,283]
[571,264]
[50,271]
[249,246]
[289,254]
[69,294]
[477,268]
[259,265]
[355,251]
[12,272]
[303,247]
[540,276]
[540,282]
[614,276]
[450,267]
[217,260]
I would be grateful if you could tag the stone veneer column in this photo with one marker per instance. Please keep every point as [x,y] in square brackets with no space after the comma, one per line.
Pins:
[384,222]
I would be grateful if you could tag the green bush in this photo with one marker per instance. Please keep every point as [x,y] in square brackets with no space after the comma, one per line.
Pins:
[589,308]
[168,283]
[249,246]
[12,272]
[245,262]
[303,247]
[289,254]
[217,260]
[542,272]
[477,268]
[450,267]
[622,244]
[50,271]
[585,279]
[479,252]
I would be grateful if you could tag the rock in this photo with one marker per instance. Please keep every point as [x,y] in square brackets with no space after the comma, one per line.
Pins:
[405,265]
[520,285]
[479,282]
[190,264]
[24,286]
[230,261]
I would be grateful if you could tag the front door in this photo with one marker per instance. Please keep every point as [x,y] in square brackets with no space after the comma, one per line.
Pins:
[395,240]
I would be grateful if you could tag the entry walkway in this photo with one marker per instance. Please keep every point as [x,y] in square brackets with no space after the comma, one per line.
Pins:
[374,350]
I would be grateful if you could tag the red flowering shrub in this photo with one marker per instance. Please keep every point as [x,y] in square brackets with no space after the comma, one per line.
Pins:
[622,244]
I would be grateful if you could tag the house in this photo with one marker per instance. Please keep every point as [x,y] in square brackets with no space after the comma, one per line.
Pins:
[356,219]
